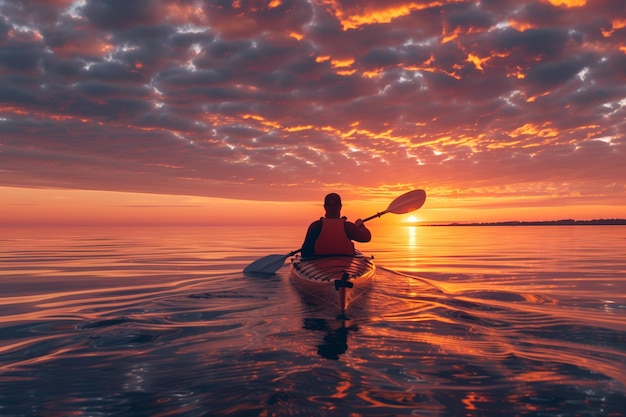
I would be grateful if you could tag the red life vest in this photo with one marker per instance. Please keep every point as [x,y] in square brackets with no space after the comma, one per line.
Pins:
[333,239]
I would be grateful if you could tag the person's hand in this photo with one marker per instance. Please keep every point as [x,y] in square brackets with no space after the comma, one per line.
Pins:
[359,223]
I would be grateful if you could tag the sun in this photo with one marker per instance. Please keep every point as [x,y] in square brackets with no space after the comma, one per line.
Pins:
[412,220]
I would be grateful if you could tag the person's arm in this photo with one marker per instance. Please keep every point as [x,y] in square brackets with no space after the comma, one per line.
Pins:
[358,232]
[313,232]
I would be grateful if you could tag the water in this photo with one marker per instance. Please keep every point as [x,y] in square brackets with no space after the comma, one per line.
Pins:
[462,321]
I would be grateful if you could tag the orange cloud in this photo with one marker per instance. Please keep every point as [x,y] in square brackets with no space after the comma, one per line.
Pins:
[83,46]
[619,23]
[299,128]
[477,61]
[184,12]
[263,121]
[337,63]
[530,129]
[535,97]
[51,116]
[296,36]
[615,25]
[516,72]
[447,37]
[521,26]
[436,70]
[381,13]
[568,3]
[372,73]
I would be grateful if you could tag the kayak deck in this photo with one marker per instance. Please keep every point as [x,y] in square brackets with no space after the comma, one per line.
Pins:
[337,280]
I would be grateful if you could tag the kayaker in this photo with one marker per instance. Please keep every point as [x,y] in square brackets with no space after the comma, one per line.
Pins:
[333,234]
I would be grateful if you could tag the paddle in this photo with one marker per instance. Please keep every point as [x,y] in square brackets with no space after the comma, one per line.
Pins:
[406,203]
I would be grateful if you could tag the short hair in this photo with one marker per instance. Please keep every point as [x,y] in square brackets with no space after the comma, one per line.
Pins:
[332,200]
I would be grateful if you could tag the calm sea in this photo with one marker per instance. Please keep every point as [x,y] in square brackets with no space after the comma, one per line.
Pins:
[461,321]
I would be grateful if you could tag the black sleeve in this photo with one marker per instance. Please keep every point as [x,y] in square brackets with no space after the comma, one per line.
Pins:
[308,247]
[358,234]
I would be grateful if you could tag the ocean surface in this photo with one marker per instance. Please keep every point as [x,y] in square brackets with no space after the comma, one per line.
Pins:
[461,321]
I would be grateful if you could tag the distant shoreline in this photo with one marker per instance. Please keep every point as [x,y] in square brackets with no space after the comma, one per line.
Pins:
[565,222]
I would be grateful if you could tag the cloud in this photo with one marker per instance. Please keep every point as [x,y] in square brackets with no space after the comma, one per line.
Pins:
[283,100]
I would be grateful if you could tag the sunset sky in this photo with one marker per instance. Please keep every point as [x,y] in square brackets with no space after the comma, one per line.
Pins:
[249,112]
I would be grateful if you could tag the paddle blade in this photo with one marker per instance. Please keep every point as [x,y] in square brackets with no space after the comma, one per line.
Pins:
[266,265]
[407,202]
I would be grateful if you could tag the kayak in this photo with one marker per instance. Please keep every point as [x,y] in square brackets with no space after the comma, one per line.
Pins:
[337,280]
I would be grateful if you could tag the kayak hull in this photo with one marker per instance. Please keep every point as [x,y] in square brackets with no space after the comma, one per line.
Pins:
[336,280]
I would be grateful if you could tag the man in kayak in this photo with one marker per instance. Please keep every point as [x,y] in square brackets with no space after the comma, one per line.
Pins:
[333,234]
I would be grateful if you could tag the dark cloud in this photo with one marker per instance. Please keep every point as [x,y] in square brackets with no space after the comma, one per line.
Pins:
[553,74]
[469,16]
[250,18]
[121,14]
[237,99]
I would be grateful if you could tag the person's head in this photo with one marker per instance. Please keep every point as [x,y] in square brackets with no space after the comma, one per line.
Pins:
[332,205]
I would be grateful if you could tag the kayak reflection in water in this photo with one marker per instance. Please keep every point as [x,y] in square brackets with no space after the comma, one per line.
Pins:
[333,234]
[335,341]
